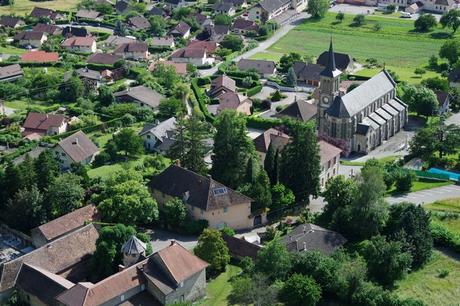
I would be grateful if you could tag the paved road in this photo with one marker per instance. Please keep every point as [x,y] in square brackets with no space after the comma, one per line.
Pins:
[418,197]
[264,44]
[428,196]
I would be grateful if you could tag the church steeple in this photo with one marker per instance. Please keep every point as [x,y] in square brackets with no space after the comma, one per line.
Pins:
[331,69]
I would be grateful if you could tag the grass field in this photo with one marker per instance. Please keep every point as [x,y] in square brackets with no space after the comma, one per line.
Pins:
[219,288]
[395,44]
[106,171]
[450,206]
[24,7]
[422,184]
[11,49]
[354,163]
[428,286]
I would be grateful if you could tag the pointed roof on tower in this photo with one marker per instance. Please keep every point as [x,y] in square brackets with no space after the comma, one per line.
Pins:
[331,70]
[133,246]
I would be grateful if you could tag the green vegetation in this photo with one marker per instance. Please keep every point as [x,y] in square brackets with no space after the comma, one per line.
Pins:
[422,184]
[446,213]
[428,285]
[450,205]
[394,44]
[385,159]
[219,288]
[24,7]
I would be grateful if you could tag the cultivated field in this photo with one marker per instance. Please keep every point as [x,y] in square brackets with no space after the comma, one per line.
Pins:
[24,7]
[395,44]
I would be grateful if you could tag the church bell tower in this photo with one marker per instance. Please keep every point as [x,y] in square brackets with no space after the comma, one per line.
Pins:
[328,90]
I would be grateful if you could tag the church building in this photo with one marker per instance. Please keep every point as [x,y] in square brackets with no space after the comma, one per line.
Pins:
[364,117]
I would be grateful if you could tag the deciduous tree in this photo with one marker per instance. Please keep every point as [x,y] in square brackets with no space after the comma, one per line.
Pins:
[318,8]
[300,290]
[213,249]
[65,194]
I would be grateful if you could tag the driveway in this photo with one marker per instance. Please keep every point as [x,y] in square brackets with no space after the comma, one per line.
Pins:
[352,9]
[454,119]
[161,239]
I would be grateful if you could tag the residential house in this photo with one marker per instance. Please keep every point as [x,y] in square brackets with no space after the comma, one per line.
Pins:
[63,225]
[122,6]
[205,198]
[11,73]
[311,237]
[133,50]
[11,22]
[44,124]
[299,110]
[264,68]
[91,79]
[93,15]
[157,11]
[232,100]
[110,76]
[57,263]
[139,23]
[243,26]
[444,99]
[103,59]
[36,56]
[195,56]
[80,44]
[438,6]
[213,32]
[76,148]
[168,276]
[454,77]
[343,62]
[414,8]
[114,41]
[307,74]
[49,29]
[329,161]
[172,4]
[159,137]
[163,42]
[181,30]
[209,46]
[30,39]
[180,68]
[140,95]
[237,3]
[240,248]
[39,12]
[225,8]
[75,32]
[220,85]
[276,138]
[202,19]
[269,9]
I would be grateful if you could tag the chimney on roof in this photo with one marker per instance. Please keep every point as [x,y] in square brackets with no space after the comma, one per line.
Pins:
[304,246]
[173,242]
[177,162]
[75,141]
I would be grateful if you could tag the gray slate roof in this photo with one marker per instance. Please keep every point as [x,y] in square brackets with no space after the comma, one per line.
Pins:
[310,237]
[360,97]
[133,246]
[261,66]
[272,5]
[162,130]
[78,146]
[140,93]
[300,110]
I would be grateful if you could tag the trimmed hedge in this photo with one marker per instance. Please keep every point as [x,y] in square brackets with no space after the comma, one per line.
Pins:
[261,123]
[202,100]
[240,74]
[21,150]
[254,90]
[442,236]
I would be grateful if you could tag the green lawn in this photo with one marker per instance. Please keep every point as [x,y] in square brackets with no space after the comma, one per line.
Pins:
[24,7]
[383,160]
[427,286]
[452,223]
[11,49]
[422,184]
[219,288]
[106,171]
[395,44]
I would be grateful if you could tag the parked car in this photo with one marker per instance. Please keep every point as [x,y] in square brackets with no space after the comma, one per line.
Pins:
[406,15]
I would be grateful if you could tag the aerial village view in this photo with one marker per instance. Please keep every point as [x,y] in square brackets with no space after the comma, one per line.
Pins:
[230,152]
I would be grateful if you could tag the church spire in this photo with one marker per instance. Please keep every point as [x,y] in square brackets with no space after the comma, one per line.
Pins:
[330,70]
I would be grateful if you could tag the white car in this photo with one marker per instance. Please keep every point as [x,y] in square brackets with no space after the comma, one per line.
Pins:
[406,15]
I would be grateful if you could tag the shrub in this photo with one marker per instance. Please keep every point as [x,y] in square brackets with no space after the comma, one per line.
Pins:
[404,181]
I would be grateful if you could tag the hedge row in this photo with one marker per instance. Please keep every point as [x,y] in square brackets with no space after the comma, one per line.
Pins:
[261,123]
[442,236]
[241,74]
[89,129]
[22,150]
[254,90]
[202,100]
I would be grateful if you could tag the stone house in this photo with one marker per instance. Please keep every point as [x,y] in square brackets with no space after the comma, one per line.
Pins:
[76,148]
[205,198]
[329,162]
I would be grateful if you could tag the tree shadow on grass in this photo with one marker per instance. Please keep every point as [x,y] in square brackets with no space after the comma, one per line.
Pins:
[440,35]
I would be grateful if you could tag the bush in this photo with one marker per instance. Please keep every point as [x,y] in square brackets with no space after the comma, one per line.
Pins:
[404,181]
[444,237]
[261,123]
[254,90]
[101,159]
[277,96]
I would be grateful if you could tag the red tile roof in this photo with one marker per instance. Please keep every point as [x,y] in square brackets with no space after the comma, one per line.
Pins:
[210,46]
[40,121]
[78,41]
[40,57]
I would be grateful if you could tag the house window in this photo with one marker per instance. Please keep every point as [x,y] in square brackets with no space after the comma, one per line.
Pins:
[328,164]
[122,297]
[148,136]
[225,209]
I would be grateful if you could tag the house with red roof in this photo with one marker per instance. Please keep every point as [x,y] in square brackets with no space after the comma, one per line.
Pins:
[195,56]
[38,56]
[44,124]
